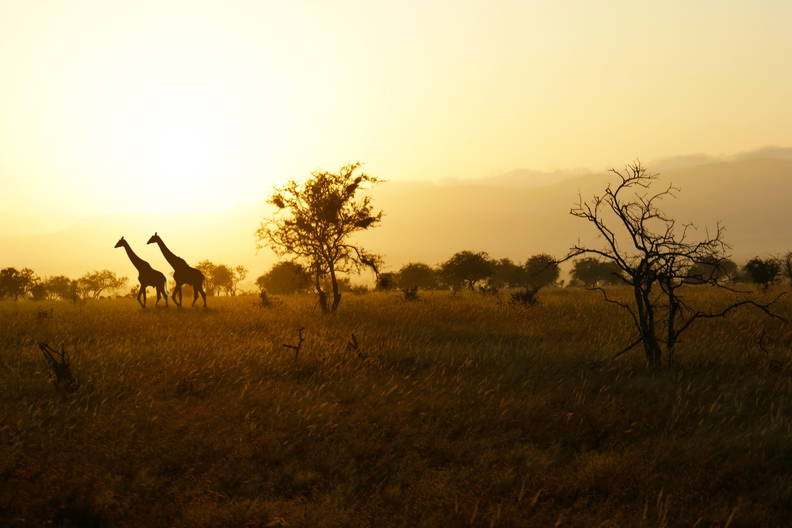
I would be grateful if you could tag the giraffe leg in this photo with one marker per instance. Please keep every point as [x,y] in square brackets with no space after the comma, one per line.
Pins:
[161,292]
[176,291]
[203,294]
[157,288]
[141,291]
[144,295]
[195,293]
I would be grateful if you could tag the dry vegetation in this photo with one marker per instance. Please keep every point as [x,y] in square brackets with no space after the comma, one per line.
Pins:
[454,410]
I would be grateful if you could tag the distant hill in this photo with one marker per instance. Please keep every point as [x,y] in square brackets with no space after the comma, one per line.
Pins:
[750,198]
[429,222]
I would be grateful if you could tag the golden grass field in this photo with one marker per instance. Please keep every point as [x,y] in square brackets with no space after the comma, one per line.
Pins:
[465,412]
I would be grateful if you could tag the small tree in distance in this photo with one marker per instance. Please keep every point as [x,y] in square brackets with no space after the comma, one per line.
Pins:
[540,271]
[655,254]
[93,284]
[763,272]
[16,283]
[592,272]
[417,275]
[284,278]
[387,281]
[223,279]
[315,223]
[208,269]
[59,287]
[506,273]
[466,269]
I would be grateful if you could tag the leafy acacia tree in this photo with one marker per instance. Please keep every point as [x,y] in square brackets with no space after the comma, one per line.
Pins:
[466,269]
[208,269]
[94,283]
[284,278]
[505,272]
[592,272]
[59,287]
[655,255]
[38,291]
[417,275]
[223,279]
[315,224]
[763,272]
[16,283]
[540,271]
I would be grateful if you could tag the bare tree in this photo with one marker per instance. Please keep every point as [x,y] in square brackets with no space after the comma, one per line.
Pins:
[654,254]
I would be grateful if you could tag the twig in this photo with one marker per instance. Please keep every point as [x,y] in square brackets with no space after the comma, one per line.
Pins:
[354,346]
[298,346]
[628,348]
[58,362]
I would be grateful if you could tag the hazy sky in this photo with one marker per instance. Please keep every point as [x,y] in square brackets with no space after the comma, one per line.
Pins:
[145,106]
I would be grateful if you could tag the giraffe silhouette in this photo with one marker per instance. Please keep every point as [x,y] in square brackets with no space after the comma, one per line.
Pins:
[182,273]
[147,276]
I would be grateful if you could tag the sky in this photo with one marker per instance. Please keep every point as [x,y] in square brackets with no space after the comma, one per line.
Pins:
[148,107]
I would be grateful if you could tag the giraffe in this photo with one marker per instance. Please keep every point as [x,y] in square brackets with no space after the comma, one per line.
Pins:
[147,275]
[182,273]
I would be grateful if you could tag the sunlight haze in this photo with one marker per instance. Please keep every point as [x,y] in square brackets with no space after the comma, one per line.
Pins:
[387,263]
[152,106]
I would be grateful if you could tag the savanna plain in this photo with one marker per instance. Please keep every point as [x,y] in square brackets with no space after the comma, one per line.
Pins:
[452,410]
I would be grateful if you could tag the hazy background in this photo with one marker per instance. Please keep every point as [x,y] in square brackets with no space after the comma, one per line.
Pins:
[486,118]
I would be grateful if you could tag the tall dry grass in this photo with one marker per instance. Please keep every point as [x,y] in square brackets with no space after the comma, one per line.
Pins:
[455,411]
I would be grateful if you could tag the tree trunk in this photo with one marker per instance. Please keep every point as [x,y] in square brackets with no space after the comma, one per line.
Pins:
[322,295]
[653,352]
[646,323]
[673,311]
[336,295]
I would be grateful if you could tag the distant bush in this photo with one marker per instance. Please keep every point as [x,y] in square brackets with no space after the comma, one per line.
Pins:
[284,278]
[417,275]
[592,272]
[466,269]
[763,272]
[541,270]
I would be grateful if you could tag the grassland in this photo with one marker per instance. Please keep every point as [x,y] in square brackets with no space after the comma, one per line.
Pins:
[464,412]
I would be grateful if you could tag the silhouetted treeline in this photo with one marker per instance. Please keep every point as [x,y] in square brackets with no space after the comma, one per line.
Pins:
[24,283]
[477,271]
[221,278]
[463,270]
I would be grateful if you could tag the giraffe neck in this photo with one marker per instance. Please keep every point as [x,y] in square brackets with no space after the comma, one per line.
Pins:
[138,262]
[172,259]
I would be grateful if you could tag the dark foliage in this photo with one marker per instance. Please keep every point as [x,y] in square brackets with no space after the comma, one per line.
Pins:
[318,220]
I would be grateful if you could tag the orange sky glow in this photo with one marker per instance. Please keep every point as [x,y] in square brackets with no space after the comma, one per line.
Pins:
[150,107]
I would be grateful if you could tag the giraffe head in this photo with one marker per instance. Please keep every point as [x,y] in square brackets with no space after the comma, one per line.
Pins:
[154,239]
[121,242]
